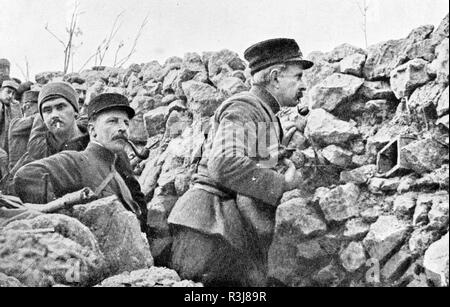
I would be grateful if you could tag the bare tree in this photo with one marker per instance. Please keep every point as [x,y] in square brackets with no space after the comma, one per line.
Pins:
[363,6]
[104,46]
[72,32]
[133,47]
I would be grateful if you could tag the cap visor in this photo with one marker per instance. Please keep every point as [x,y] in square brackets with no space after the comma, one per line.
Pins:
[305,63]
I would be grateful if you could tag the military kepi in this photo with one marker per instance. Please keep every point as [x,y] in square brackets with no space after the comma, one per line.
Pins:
[109,101]
[274,51]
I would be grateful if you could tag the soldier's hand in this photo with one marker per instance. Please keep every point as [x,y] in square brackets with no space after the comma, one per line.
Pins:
[292,178]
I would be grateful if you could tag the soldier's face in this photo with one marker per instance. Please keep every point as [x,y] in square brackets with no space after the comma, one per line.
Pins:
[59,116]
[291,86]
[7,95]
[81,97]
[111,129]
[29,108]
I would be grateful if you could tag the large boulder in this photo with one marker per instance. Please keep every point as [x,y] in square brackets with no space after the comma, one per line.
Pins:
[440,65]
[438,215]
[294,263]
[9,282]
[353,64]
[425,155]
[38,254]
[319,71]
[436,261]
[297,220]
[384,57]
[359,175]
[202,99]
[385,235]
[152,277]
[342,51]
[426,96]
[409,76]
[152,71]
[338,204]
[224,57]
[353,257]
[333,91]
[376,90]
[442,30]
[118,233]
[337,156]
[326,129]
[155,120]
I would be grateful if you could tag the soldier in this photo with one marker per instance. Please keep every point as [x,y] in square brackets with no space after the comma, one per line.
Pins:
[103,166]
[55,128]
[20,128]
[223,225]
[8,111]
[81,92]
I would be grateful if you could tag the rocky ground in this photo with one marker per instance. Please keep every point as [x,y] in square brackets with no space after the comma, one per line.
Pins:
[376,146]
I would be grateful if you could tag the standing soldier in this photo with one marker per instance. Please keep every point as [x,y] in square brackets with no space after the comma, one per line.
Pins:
[224,224]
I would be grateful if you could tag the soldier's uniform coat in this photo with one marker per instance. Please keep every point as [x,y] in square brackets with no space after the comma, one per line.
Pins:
[232,166]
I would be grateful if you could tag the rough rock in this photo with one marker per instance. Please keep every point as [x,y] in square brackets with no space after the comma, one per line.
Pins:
[404,204]
[227,57]
[330,276]
[203,99]
[442,105]
[297,220]
[396,265]
[155,120]
[340,203]
[353,64]
[118,233]
[425,155]
[439,213]
[356,229]
[359,175]
[158,211]
[409,76]
[231,85]
[171,81]
[152,277]
[385,235]
[46,77]
[440,65]
[333,91]
[294,263]
[383,57]
[426,96]
[319,72]
[421,239]
[353,257]
[10,282]
[46,259]
[342,51]
[337,156]
[326,129]
[436,261]
[376,90]
[370,215]
[177,122]
[441,31]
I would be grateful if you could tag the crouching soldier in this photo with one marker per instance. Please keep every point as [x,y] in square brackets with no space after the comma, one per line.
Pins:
[103,166]
[223,225]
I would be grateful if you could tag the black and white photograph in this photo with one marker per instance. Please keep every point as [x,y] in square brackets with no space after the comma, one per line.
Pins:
[224,148]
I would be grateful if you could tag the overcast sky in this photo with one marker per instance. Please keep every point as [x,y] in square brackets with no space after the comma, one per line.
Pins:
[179,26]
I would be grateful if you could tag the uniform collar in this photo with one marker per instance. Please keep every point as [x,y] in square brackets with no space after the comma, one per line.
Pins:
[101,151]
[266,97]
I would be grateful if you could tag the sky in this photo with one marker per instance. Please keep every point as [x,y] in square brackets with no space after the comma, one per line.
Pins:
[178,26]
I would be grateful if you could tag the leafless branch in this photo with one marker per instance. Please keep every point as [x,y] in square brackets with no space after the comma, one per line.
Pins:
[363,8]
[136,39]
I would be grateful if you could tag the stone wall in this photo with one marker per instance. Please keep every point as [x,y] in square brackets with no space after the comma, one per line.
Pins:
[375,146]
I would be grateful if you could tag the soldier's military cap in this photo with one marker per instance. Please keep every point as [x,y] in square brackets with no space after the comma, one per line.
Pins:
[109,101]
[274,51]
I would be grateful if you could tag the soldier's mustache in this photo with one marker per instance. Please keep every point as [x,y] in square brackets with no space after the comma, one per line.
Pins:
[56,121]
[120,137]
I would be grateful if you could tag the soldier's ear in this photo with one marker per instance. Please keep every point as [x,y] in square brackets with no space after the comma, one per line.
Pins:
[91,130]
[274,73]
